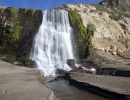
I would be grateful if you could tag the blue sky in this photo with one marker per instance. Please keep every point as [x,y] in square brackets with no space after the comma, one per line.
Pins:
[42,4]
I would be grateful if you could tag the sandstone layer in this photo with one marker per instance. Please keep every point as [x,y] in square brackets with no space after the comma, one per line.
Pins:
[118,85]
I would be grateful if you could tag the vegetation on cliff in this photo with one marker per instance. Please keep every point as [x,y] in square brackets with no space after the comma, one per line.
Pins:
[84,33]
[14,14]
[18,28]
[116,8]
[116,4]
[15,30]
[29,9]
[12,32]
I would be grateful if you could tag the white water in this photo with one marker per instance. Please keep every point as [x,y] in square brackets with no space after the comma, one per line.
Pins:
[52,45]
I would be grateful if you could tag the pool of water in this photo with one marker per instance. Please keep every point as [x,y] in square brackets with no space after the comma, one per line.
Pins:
[64,91]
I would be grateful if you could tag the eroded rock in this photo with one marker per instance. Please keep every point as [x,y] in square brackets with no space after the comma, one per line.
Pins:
[71,63]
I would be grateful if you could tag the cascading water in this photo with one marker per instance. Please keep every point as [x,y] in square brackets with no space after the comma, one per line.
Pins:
[52,45]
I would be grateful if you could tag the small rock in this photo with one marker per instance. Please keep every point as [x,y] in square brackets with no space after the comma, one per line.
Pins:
[114,53]
[16,63]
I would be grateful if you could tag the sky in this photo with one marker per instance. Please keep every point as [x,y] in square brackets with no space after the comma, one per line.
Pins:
[43,4]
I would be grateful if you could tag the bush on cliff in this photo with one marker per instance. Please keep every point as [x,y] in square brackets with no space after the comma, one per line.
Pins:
[14,14]
[15,32]
[77,24]
[9,58]
[31,10]
[84,33]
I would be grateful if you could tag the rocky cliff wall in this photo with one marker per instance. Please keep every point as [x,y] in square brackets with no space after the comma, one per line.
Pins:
[17,30]
[111,36]
[116,3]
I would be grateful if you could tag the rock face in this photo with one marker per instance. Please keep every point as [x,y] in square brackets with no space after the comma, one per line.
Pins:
[116,3]
[115,88]
[17,30]
[111,36]
[71,63]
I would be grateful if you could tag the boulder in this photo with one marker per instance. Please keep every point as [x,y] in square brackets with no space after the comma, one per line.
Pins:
[71,63]
[114,53]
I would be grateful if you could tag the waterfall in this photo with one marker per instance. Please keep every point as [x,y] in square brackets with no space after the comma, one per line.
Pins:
[52,44]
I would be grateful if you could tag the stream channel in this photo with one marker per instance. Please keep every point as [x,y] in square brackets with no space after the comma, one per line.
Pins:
[64,91]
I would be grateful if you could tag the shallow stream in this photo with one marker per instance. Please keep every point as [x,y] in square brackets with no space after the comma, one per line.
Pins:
[64,91]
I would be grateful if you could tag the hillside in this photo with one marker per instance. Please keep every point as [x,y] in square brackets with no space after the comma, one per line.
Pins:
[112,35]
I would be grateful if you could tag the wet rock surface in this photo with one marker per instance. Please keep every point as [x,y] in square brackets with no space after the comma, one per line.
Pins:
[71,63]
[112,78]
[113,72]
[111,67]
[117,86]
[115,69]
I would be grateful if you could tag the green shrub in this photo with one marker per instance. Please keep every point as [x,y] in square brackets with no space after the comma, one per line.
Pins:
[85,33]
[8,58]
[77,23]
[115,17]
[91,28]
[29,9]
[15,32]
[14,14]
[117,14]
[126,14]
[100,8]
[13,11]
[74,18]
[110,2]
